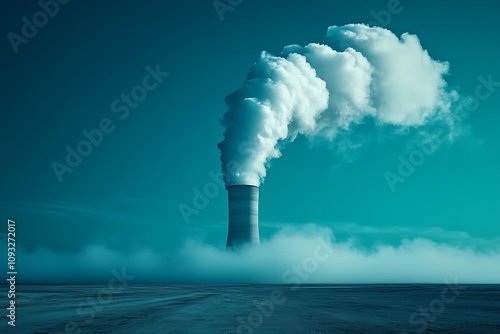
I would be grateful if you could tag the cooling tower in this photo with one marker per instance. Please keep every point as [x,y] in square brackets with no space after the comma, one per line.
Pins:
[243,219]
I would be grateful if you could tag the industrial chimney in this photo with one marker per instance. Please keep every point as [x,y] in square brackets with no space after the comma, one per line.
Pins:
[243,205]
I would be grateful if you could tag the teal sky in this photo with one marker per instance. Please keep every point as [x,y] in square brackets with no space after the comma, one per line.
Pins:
[127,192]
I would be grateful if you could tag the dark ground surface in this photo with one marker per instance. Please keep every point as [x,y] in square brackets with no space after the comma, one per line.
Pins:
[255,309]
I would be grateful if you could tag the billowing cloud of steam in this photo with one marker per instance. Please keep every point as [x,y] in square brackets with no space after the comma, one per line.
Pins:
[324,89]
[312,256]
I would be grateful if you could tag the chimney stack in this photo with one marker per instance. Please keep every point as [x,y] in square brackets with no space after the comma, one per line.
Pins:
[243,216]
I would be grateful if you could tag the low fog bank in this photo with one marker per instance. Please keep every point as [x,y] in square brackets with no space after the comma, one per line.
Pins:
[308,254]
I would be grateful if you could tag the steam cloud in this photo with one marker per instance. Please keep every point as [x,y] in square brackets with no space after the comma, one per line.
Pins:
[324,89]
[415,260]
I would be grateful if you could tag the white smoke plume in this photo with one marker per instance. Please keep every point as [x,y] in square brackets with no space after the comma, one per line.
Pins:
[324,89]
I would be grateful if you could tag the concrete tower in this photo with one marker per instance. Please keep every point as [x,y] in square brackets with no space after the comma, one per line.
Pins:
[243,204]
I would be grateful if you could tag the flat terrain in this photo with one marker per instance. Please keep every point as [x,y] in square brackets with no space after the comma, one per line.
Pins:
[256,309]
